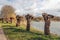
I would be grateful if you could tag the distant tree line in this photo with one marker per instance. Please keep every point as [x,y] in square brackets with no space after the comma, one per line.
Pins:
[41,19]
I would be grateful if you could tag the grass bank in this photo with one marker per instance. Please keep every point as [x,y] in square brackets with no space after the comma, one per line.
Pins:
[20,33]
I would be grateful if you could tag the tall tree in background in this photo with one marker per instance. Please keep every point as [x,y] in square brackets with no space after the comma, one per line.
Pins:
[28,18]
[7,11]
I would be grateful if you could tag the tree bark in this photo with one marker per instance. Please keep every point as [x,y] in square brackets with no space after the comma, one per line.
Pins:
[28,25]
[46,29]
[47,24]
[18,23]
[2,20]
[11,20]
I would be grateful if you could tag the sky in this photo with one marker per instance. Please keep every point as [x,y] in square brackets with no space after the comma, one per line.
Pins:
[34,7]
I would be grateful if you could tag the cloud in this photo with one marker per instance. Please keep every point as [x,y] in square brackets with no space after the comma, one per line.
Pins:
[52,4]
[33,6]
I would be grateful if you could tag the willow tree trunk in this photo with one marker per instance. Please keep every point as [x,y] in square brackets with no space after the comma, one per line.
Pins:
[28,18]
[47,26]
[28,25]
[47,22]
[7,20]
[18,23]
[2,20]
[11,20]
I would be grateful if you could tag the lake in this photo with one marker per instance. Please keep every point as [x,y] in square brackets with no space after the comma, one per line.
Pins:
[54,26]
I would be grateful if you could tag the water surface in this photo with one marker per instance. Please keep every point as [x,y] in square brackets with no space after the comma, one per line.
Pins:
[54,26]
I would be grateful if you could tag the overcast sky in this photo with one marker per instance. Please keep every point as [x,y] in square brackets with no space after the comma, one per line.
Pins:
[34,7]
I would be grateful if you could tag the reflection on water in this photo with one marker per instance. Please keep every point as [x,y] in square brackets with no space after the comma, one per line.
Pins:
[54,26]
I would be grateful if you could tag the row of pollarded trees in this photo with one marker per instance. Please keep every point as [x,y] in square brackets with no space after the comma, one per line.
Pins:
[28,18]
[46,17]
[7,12]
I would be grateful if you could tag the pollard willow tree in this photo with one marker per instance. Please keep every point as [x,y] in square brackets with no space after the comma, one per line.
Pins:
[28,18]
[2,20]
[11,18]
[7,11]
[47,23]
[18,18]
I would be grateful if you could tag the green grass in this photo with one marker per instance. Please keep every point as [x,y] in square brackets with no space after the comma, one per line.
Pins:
[20,33]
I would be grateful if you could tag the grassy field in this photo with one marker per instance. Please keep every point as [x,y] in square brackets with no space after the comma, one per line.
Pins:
[20,33]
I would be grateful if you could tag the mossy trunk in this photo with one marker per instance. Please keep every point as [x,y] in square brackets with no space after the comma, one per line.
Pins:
[7,20]
[11,20]
[18,23]
[28,25]
[46,29]
[47,24]
[28,18]
[2,20]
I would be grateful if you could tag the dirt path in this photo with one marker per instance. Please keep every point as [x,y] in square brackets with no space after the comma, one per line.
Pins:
[2,36]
